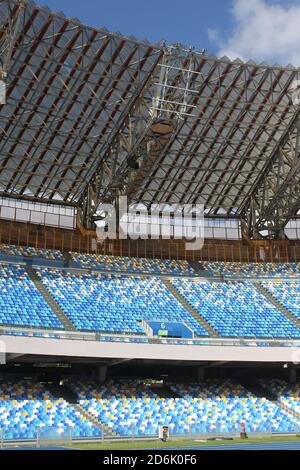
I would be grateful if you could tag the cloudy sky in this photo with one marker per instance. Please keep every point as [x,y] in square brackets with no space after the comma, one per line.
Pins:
[261,30]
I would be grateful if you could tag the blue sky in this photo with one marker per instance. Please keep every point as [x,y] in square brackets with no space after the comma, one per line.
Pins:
[262,30]
[172,20]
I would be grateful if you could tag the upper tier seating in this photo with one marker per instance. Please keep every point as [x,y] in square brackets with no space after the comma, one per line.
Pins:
[211,407]
[118,303]
[154,266]
[133,265]
[104,262]
[13,250]
[286,293]
[21,304]
[236,309]
[98,302]
[27,409]
[253,269]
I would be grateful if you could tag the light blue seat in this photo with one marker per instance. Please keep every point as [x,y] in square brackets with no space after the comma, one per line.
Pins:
[210,407]
[276,270]
[28,411]
[21,304]
[286,293]
[116,304]
[236,309]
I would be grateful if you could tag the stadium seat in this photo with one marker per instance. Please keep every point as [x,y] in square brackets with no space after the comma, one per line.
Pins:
[236,309]
[28,411]
[21,304]
[210,407]
[276,270]
[286,293]
[287,394]
[13,250]
[116,304]
[133,265]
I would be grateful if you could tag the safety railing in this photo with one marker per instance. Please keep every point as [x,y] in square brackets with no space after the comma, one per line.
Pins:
[123,338]
[66,438]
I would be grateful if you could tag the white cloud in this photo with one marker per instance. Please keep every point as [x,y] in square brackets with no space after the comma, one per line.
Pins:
[263,31]
[214,35]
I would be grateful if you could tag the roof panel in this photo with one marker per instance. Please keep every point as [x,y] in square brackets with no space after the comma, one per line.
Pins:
[68,86]
[71,86]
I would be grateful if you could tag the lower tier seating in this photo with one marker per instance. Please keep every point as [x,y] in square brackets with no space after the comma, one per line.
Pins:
[213,406]
[28,411]
[287,394]
[127,407]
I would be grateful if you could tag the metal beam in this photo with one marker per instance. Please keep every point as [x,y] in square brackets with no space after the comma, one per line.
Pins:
[276,198]
[167,100]
[8,36]
[52,202]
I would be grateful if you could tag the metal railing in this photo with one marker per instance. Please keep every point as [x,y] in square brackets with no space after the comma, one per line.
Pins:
[120,338]
[40,438]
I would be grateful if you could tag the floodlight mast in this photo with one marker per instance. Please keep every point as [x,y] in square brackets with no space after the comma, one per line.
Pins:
[165,103]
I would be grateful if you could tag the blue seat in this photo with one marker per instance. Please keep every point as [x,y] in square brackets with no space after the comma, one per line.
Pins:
[21,302]
[236,309]
[116,304]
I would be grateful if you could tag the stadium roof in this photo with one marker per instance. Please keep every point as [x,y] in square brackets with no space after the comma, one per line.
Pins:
[71,89]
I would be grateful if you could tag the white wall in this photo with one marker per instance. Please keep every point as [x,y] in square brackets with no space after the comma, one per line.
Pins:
[103,350]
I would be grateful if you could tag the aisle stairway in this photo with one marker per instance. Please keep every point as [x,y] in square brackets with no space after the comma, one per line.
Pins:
[278,305]
[258,390]
[210,330]
[65,392]
[68,325]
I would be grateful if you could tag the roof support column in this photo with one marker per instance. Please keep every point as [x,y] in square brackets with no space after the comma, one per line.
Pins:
[276,198]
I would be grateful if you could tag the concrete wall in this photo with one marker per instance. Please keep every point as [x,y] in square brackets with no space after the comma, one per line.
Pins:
[102,350]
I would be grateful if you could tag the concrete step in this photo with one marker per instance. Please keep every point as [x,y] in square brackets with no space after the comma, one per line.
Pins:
[68,325]
[210,330]
[67,259]
[288,410]
[107,431]
[256,389]
[66,393]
